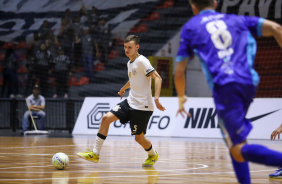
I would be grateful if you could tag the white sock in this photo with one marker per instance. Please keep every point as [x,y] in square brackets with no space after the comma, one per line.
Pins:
[98,145]
[151,151]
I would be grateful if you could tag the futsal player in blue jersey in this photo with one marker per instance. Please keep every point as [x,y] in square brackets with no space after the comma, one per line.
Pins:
[226,48]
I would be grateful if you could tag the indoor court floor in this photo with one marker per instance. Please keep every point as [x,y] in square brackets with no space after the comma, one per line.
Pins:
[182,160]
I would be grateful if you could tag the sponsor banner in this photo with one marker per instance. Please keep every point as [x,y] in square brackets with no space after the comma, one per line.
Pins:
[265,115]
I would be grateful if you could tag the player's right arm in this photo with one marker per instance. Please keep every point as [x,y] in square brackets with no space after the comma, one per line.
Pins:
[180,85]
[276,132]
[122,90]
[184,53]
[270,28]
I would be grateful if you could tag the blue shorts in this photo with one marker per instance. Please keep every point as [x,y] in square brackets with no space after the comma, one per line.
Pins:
[232,102]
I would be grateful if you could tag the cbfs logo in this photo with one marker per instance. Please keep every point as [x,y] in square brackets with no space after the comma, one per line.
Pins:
[94,117]
[202,118]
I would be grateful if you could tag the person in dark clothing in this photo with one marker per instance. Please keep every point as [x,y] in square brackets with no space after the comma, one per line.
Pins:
[10,75]
[42,67]
[61,72]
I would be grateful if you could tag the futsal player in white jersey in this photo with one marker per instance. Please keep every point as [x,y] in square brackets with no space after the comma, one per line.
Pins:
[137,108]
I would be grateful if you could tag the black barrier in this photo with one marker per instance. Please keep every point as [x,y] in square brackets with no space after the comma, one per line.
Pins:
[61,114]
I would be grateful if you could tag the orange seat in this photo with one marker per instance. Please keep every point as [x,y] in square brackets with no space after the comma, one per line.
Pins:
[133,29]
[141,28]
[8,45]
[153,16]
[73,81]
[167,4]
[22,69]
[99,67]
[113,54]
[83,81]
[2,56]
[21,57]
[21,45]
[52,81]
[119,42]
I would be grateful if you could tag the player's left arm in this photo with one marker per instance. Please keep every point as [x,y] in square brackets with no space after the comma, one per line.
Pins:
[270,28]
[158,86]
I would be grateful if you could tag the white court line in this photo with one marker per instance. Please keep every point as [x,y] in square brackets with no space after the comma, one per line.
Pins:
[132,176]
[100,163]
[201,166]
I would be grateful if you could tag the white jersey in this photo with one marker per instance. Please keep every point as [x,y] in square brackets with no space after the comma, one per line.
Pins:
[140,94]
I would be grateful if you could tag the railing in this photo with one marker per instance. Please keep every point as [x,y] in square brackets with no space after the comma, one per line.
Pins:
[61,114]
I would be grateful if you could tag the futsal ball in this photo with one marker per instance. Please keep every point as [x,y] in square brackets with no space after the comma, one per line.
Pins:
[60,161]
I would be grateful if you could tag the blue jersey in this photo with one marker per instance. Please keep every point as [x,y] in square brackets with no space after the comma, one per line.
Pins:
[224,44]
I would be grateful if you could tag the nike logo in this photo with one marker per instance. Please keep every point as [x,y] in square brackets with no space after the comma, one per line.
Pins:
[261,116]
[90,156]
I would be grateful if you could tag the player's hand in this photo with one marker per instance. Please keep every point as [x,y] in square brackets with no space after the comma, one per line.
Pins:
[121,92]
[276,132]
[181,110]
[159,105]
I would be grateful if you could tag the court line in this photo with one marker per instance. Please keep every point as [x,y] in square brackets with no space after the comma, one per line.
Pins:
[100,163]
[201,166]
[132,176]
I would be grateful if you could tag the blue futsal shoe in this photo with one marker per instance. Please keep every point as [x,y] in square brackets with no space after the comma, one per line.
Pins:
[277,175]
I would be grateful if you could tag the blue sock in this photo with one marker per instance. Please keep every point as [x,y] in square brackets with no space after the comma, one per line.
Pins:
[242,171]
[262,155]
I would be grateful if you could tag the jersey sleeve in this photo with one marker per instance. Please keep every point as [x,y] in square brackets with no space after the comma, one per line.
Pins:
[185,50]
[146,67]
[42,101]
[254,24]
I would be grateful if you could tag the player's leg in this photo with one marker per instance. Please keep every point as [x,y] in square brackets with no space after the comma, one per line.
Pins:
[93,155]
[138,124]
[41,115]
[25,121]
[232,108]
[119,112]
[103,131]
[153,156]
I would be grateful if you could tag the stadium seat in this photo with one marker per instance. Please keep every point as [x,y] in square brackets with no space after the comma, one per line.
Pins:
[1,69]
[133,29]
[2,56]
[73,81]
[153,16]
[167,4]
[141,28]
[52,81]
[83,81]
[99,67]
[119,42]
[21,45]
[113,54]
[77,70]
[1,81]
[21,56]
[8,45]
[22,69]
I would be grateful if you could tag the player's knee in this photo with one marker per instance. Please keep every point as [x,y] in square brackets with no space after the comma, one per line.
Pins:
[26,114]
[139,139]
[42,114]
[105,119]
[236,152]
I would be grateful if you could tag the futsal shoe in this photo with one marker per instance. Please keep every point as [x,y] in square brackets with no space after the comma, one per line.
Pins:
[277,175]
[89,155]
[151,160]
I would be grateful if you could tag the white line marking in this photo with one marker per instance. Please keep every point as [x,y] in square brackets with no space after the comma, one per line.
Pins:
[132,176]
